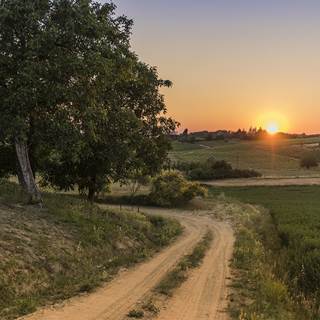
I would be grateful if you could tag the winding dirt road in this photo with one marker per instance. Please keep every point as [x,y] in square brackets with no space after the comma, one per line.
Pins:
[299,181]
[202,296]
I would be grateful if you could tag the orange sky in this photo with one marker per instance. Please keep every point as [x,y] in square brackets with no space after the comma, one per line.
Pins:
[234,64]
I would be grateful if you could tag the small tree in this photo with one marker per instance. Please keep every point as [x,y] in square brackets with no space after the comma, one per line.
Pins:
[309,160]
[171,189]
[136,181]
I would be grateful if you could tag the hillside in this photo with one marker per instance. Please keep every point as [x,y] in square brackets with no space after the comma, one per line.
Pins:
[69,247]
[270,157]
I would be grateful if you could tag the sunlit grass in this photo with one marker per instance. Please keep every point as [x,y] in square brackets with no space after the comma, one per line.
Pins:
[271,157]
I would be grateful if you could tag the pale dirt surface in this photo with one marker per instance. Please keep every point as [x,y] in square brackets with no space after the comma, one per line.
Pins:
[205,294]
[202,296]
[264,182]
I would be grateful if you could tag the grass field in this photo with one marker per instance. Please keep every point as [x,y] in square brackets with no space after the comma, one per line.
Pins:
[296,214]
[270,157]
[48,255]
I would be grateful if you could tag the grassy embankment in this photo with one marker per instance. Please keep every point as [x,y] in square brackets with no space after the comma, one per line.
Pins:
[69,247]
[277,253]
[270,157]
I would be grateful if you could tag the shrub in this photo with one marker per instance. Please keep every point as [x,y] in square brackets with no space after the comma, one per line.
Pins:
[213,169]
[171,188]
[136,314]
[309,160]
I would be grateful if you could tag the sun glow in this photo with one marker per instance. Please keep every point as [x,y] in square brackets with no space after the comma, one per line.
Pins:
[273,122]
[272,127]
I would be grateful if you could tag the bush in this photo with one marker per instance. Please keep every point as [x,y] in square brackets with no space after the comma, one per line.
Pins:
[309,160]
[171,189]
[213,169]
[136,314]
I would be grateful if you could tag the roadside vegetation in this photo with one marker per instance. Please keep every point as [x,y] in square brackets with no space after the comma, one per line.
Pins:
[277,252]
[168,189]
[67,248]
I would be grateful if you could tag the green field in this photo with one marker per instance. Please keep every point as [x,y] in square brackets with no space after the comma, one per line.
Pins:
[270,157]
[296,214]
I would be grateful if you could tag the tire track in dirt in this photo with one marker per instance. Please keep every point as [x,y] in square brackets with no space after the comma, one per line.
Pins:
[204,294]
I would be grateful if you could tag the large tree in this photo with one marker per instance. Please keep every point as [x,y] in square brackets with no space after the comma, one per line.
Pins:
[75,102]
[130,134]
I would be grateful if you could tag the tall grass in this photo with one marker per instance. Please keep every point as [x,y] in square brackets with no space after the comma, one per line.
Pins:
[68,247]
[292,249]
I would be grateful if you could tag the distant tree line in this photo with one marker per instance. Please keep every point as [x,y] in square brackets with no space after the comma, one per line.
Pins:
[224,135]
[78,108]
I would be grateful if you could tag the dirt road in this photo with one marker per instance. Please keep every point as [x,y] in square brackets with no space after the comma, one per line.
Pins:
[264,182]
[203,296]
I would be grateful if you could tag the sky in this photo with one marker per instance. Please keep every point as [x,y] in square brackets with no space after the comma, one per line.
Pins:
[234,63]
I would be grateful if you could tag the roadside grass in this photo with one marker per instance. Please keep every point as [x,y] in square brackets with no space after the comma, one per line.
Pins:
[276,252]
[138,314]
[256,292]
[68,247]
[270,157]
[152,305]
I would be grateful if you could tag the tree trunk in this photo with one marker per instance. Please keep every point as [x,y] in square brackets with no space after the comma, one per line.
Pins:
[31,145]
[26,176]
[91,194]
[20,176]
[92,189]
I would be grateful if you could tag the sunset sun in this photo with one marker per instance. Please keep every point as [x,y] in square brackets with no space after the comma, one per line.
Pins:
[272,127]
[273,122]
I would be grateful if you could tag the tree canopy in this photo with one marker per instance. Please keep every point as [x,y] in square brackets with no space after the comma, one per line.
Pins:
[76,102]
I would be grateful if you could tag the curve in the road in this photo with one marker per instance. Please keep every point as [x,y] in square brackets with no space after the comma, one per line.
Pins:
[205,291]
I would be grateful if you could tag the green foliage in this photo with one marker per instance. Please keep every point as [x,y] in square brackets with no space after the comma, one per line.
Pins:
[172,189]
[136,180]
[69,248]
[213,169]
[309,160]
[256,293]
[7,160]
[296,215]
[149,306]
[72,90]
[256,290]
[136,314]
